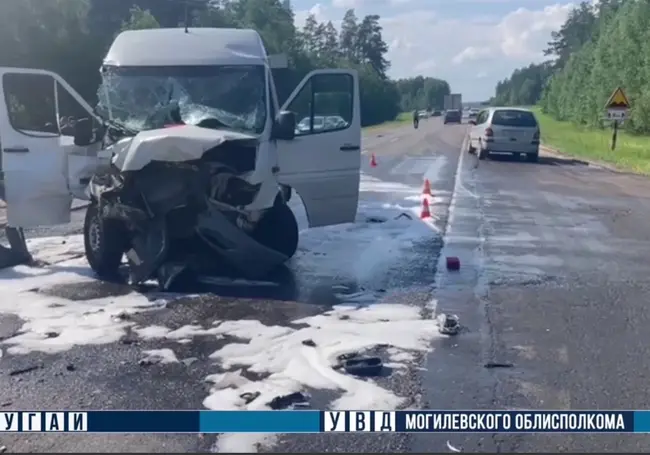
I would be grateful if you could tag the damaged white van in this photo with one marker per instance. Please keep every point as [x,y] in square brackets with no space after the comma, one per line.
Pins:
[188,160]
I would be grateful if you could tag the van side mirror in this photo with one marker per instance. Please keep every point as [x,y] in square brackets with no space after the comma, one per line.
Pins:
[284,126]
[83,132]
[472,122]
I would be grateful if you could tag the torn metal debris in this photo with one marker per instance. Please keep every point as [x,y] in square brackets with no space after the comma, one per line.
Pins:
[449,324]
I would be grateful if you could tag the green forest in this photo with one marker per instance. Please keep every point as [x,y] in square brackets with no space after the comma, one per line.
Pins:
[70,37]
[599,48]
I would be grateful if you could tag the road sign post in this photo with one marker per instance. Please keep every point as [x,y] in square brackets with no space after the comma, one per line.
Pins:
[616,109]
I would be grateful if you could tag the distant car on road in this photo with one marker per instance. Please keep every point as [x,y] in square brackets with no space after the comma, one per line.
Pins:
[453,116]
[436,113]
[423,114]
[505,130]
[472,114]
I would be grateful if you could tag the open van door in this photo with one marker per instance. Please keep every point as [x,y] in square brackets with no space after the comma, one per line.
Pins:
[322,163]
[36,139]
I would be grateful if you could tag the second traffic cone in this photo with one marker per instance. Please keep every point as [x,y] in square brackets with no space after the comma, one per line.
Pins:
[373,160]
[426,213]
[427,187]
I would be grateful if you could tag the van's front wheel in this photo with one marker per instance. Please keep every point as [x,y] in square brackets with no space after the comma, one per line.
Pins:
[104,242]
[278,230]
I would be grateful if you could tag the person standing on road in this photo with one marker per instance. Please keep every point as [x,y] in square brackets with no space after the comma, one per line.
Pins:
[416,118]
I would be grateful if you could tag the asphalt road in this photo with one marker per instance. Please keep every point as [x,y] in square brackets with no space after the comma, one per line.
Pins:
[551,295]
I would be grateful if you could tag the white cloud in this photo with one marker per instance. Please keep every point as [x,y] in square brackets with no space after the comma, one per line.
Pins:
[347,3]
[463,51]
[320,12]
[463,48]
[426,65]
[521,30]
[471,53]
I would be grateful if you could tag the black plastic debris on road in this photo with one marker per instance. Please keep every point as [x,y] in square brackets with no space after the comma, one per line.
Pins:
[491,365]
[249,397]
[359,365]
[296,399]
[364,366]
[24,370]
[377,219]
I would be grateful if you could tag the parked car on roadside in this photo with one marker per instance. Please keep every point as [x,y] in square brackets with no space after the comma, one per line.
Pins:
[505,130]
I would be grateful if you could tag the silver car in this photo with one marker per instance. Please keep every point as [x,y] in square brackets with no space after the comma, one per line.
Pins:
[304,126]
[505,130]
[334,122]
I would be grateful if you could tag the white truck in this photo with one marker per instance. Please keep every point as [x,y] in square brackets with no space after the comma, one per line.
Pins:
[208,193]
[453,101]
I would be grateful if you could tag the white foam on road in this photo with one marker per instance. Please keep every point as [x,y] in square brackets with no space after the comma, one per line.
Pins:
[291,366]
[54,324]
[56,249]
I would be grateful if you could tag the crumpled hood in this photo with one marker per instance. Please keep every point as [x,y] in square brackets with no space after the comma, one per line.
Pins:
[176,144]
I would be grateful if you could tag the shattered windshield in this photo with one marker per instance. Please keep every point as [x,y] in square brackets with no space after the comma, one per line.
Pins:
[142,98]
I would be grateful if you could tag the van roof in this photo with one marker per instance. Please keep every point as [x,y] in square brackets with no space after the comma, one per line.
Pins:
[199,46]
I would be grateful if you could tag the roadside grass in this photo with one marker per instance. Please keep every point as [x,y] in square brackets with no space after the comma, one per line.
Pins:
[631,153]
[402,118]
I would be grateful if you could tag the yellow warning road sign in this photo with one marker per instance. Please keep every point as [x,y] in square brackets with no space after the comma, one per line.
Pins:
[618,100]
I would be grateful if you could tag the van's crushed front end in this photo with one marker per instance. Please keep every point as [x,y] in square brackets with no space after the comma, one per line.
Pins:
[177,196]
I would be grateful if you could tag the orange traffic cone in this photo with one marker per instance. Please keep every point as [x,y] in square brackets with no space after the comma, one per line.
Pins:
[373,160]
[427,187]
[425,209]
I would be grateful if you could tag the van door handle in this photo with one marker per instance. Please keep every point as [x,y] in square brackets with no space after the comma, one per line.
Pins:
[15,150]
[350,148]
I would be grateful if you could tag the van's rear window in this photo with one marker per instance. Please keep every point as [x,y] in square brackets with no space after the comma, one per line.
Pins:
[514,118]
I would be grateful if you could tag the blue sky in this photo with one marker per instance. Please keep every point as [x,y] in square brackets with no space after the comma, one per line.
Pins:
[470,43]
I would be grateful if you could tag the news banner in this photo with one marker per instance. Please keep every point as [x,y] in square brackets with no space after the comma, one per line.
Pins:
[326,421]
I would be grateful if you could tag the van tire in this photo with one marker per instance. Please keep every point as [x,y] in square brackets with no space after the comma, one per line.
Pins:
[482,154]
[104,242]
[278,230]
